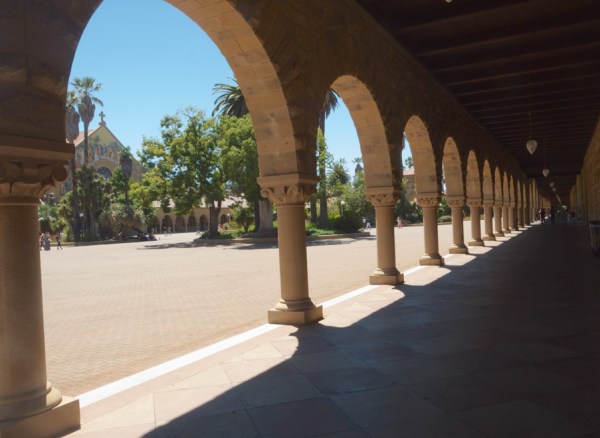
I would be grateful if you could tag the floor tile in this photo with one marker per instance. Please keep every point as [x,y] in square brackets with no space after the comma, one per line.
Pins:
[276,390]
[442,425]
[236,424]
[304,418]
[348,380]
[384,407]
[520,419]
[328,360]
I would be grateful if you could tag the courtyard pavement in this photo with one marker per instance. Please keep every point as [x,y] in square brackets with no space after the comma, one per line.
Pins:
[113,310]
[504,342]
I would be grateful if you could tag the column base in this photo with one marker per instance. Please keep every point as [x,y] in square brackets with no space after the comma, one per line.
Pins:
[488,238]
[499,234]
[476,243]
[506,231]
[458,250]
[295,317]
[58,421]
[428,260]
[514,229]
[389,278]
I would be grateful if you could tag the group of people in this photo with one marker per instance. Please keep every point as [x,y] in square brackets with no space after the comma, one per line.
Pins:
[44,240]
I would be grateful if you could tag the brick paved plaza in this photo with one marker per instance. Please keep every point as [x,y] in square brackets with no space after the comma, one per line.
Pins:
[113,310]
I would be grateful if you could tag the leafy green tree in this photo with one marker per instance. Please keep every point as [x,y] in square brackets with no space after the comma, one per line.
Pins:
[185,165]
[324,160]
[408,162]
[244,217]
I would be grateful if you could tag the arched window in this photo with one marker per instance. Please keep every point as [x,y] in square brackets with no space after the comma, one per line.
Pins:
[104,172]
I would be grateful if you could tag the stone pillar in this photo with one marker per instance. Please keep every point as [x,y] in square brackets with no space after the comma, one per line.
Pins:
[456,204]
[527,215]
[289,193]
[429,203]
[520,216]
[488,220]
[475,207]
[29,405]
[512,217]
[505,216]
[498,220]
[185,222]
[384,199]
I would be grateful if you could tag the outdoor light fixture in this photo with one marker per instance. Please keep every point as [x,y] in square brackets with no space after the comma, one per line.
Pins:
[545,172]
[531,144]
[551,183]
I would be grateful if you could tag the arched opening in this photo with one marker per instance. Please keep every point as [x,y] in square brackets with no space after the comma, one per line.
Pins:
[179,224]
[473,180]
[487,186]
[203,223]
[452,169]
[191,222]
[421,148]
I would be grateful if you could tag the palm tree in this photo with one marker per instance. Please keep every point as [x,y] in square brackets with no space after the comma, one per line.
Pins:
[86,106]
[231,101]
[72,132]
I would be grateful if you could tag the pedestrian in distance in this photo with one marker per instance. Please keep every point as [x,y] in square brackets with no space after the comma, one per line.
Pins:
[58,240]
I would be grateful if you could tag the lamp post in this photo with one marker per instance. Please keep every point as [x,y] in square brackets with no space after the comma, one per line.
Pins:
[82,229]
[342,203]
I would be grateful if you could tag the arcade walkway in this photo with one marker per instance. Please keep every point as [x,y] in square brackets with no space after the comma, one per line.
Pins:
[501,343]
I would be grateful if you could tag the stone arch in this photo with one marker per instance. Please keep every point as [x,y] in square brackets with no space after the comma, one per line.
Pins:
[203,222]
[191,222]
[179,224]
[453,174]
[473,185]
[380,169]
[426,178]
[227,26]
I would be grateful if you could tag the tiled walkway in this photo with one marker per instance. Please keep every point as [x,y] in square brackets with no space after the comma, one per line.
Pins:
[501,343]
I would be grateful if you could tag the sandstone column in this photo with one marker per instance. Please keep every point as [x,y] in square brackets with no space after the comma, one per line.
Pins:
[512,217]
[521,213]
[429,203]
[456,204]
[498,220]
[289,193]
[488,220]
[505,220]
[29,405]
[475,207]
[383,199]
[528,215]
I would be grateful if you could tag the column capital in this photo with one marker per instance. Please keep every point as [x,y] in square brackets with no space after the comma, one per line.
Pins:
[291,188]
[382,196]
[488,202]
[428,199]
[474,202]
[455,200]
[25,180]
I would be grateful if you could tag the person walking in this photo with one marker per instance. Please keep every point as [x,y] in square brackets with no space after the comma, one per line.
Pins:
[58,240]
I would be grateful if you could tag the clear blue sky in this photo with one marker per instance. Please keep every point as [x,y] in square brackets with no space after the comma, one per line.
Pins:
[151,60]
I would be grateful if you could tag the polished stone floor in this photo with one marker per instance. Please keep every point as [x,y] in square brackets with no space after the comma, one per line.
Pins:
[504,342]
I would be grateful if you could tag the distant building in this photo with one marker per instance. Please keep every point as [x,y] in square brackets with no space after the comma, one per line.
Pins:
[104,150]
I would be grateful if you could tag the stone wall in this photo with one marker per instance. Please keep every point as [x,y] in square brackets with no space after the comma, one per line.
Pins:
[590,178]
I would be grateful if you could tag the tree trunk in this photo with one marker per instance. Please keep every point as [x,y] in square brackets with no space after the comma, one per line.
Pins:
[214,211]
[266,215]
[257,220]
[313,209]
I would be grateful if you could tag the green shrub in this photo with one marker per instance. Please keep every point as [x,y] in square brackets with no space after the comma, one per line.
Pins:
[444,219]
[348,223]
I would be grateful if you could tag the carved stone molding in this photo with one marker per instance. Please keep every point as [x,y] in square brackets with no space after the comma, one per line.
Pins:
[28,178]
[428,199]
[487,202]
[382,196]
[287,189]
[475,202]
[455,201]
